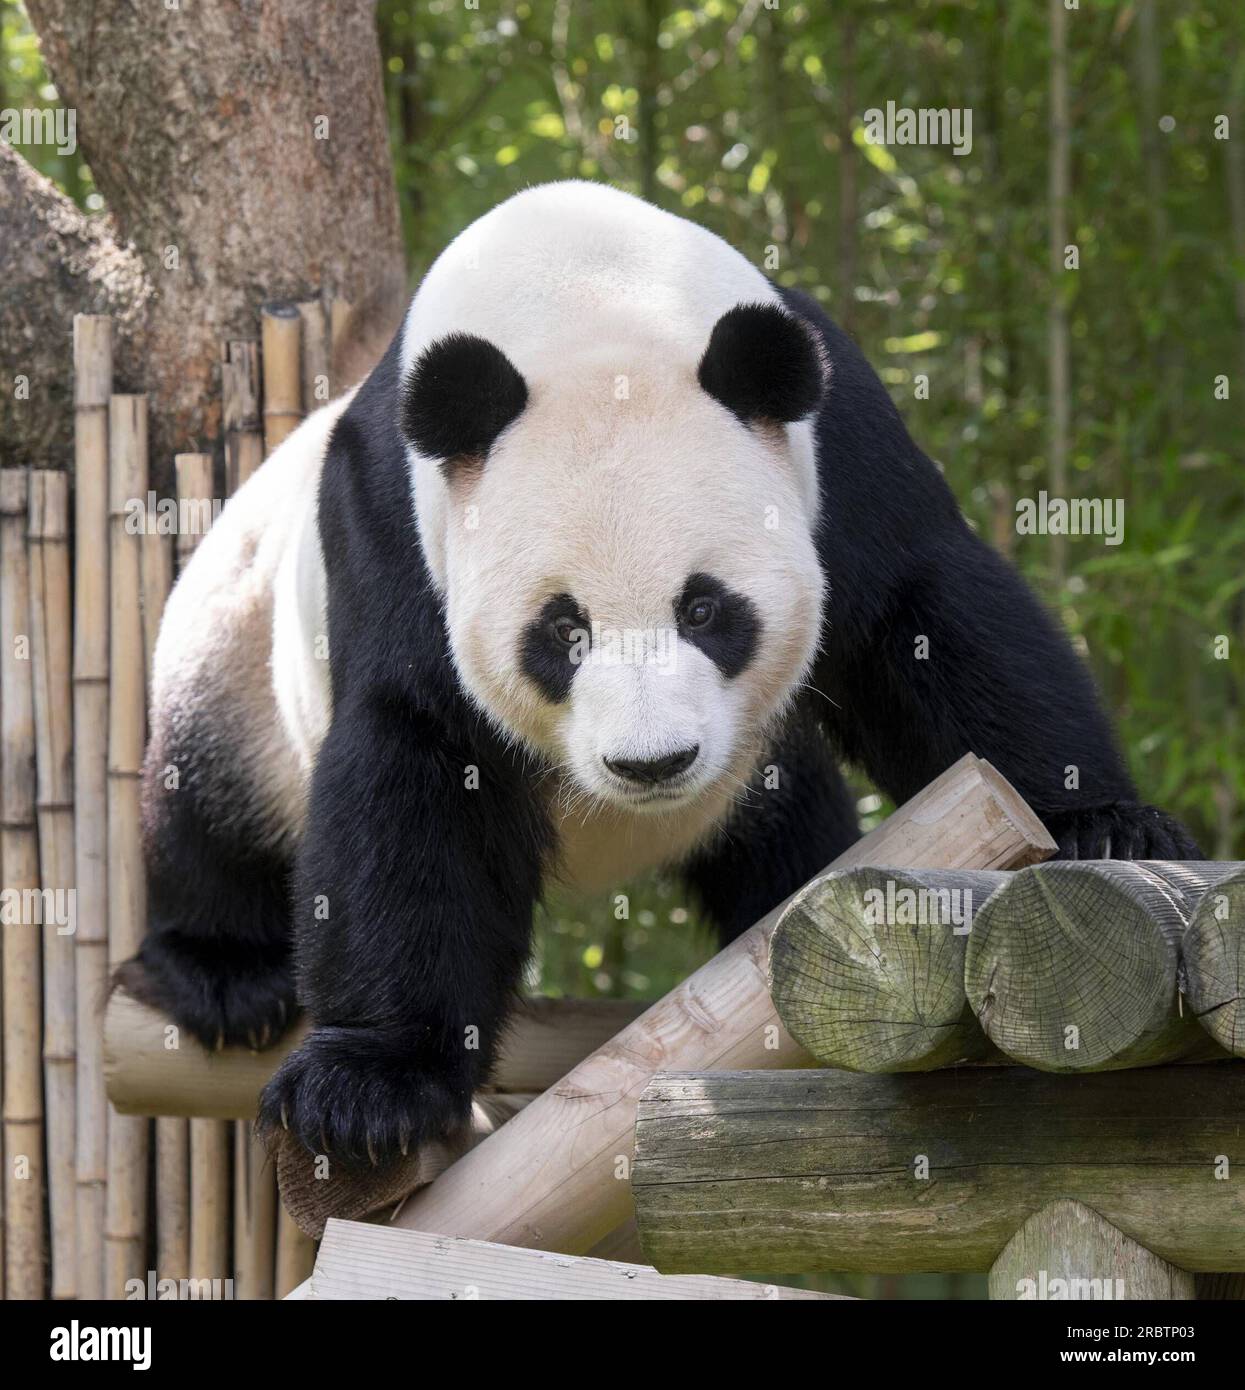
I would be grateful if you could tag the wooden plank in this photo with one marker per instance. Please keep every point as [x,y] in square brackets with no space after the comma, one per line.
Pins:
[359,1261]
[833,1170]
[555,1177]
[1067,1251]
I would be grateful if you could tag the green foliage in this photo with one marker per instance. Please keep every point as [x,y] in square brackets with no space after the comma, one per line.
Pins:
[750,120]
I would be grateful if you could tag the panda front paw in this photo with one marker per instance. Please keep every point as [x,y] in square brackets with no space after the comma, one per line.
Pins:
[220,1000]
[363,1098]
[1122,830]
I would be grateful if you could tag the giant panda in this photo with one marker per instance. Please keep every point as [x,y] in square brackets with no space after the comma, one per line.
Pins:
[602,569]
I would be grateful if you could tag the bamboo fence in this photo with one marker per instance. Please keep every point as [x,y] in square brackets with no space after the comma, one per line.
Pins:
[89,1206]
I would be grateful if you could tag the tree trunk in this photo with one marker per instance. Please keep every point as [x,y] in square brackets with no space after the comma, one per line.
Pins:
[243,150]
[55,262]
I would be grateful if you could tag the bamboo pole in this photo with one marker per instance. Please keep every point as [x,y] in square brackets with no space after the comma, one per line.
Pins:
[1073,966]
[244,443]
[254,1217]
[92,339]
[157,574]
[208,1139]
[283,372]
[125,1224]
[194,502]
[340,313]
[24,1246]
[172,1166]
[556,1176]
[867,968]
[172,1198]
[1213,951]
[209,1199]
[51,665]
[296,1254]
[316,355]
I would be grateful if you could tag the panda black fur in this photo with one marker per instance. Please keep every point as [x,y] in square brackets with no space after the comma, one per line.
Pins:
[588,395]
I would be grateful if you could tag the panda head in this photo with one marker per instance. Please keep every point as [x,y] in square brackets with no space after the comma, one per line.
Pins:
[624,546]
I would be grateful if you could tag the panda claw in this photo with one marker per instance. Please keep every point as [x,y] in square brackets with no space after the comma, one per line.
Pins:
[285,1117]
[371,1151]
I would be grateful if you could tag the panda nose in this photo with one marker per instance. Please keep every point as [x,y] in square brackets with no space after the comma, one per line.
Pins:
[654,769]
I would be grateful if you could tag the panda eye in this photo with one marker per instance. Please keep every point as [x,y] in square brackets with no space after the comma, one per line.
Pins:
[700,612]
[567,630]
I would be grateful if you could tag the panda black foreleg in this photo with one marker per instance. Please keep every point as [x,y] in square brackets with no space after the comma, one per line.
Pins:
[962,658]
[414,893]
[216,957]
[795,817]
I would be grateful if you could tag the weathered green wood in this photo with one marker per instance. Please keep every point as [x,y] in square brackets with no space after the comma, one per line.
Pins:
[1073,967]
[867,967]
[1213,949]
[1068,1252]
[821,1170]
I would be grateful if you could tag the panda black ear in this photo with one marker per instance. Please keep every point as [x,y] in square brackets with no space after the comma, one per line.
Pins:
[459,396]
[763,363]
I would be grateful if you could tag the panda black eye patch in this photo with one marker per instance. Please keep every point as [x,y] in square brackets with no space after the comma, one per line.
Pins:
[719,622]
[550,644]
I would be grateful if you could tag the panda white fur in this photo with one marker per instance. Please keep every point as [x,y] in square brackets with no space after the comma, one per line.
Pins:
[612,552]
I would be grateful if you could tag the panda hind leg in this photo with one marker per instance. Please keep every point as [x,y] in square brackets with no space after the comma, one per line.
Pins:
[217,956]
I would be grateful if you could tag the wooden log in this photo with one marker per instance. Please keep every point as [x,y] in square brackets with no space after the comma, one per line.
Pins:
[244,440]
[92,339]
[545,1039]
[51,619]
[194,502]
[281,331]
[359,1261]
[125,1233]
[833,1170]
[556,1176]
[24,1245]
[316,356]
[1067,1251]
[867,968]
[1073,967]
[1213,951]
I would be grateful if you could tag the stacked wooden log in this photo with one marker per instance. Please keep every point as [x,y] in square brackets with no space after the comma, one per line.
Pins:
[1066,967]
[1121,1182]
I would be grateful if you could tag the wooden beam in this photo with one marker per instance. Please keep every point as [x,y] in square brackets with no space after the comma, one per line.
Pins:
[867,968]
[830,1170]
[556,1177]
[358,1261]
[1066,1251]
[546,1038]
[1073,967]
